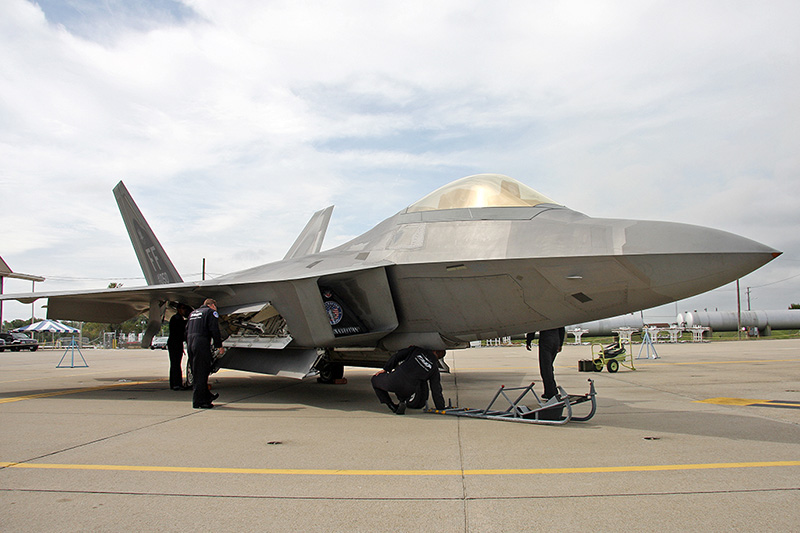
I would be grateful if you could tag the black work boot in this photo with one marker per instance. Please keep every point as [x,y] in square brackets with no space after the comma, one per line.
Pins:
[401,408]
[392,406]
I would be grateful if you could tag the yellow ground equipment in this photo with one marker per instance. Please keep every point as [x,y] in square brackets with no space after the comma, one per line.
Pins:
[610,356]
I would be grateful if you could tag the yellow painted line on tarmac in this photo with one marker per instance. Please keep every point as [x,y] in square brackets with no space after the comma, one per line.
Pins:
[76,391]
[722,362]
[646,362]
[750,402]
[334,472]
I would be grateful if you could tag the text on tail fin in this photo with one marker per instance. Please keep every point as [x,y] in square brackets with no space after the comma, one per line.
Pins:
[156,265]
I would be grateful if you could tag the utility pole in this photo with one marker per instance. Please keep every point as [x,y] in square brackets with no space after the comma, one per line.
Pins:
[738,312]
[33,305]
[747,290]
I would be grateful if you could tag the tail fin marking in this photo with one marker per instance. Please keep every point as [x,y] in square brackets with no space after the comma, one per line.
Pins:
[156,265]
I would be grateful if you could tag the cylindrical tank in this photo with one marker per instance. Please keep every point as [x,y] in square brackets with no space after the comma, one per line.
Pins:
[728,320]
[605,326]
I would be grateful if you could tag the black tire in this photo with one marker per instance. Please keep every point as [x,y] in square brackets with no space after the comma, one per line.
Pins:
[598,365]
[330,372]
[34,348]
[612,365]
[418,399]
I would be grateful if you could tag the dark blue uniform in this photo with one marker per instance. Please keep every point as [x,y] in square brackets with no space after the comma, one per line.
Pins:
[405,371]
[201,329]
[550,343]
[177,332]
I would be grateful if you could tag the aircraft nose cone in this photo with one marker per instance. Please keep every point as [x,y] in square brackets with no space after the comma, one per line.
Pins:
[670,237]
[682,259]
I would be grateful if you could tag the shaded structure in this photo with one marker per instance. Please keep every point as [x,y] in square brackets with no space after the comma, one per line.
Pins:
[47,324]
[6,272]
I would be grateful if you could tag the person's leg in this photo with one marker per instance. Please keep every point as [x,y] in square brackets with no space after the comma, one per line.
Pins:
[547,354]
[380,384]
[200,371]
[175,372]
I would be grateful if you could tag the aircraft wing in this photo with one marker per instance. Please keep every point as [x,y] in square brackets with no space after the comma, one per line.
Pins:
[111,306]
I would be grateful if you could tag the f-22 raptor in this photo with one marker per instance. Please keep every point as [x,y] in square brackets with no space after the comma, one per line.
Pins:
[482,257]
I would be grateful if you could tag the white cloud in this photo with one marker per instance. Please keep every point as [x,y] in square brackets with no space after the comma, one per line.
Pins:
[232,122]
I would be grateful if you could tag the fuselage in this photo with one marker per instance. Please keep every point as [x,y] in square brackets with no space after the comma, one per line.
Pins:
[442,278]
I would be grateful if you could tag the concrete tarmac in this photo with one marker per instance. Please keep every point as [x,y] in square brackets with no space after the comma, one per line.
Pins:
[110,448]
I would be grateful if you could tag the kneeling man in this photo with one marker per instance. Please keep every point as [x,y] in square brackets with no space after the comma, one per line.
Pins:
[405,372]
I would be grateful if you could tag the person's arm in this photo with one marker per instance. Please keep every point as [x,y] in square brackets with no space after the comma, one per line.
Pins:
[213,328]
[436,389]
[173,330]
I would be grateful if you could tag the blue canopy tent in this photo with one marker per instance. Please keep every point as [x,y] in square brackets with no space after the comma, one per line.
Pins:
[49,325]
[57,327]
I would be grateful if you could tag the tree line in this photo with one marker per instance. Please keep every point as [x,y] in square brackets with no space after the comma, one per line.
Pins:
[91,330]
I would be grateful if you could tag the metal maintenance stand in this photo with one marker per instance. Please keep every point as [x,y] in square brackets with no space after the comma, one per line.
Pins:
[647,342]
[697,332]
[550,412]
[577,333]
[71,349]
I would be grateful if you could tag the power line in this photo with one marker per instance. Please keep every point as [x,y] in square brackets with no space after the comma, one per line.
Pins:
[774,282]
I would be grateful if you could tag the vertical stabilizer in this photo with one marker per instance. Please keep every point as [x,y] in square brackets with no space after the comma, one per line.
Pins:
[157,267]
[310,239]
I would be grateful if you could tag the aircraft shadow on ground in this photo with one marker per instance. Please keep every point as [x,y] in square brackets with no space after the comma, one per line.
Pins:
[270,393]
[250,392]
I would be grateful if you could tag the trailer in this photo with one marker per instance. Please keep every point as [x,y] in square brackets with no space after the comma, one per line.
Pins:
[611,357]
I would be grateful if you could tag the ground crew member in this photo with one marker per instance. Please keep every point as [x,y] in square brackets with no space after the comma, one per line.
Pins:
[403,374]
[550,343]
[177,333]
[201,329]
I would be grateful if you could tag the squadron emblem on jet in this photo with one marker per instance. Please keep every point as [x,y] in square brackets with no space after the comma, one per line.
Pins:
[335,312]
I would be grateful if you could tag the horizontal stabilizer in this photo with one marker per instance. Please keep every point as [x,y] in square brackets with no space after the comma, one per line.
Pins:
[310,239]
[156,266]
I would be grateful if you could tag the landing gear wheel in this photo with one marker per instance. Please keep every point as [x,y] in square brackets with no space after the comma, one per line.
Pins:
[613,365]
[330,372]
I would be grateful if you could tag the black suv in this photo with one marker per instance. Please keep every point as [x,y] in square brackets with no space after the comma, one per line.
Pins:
[17,341]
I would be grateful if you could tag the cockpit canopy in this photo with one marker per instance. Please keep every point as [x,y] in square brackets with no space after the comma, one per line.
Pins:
[481,190]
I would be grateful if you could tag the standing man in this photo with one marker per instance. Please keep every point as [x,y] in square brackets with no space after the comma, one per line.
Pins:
[550,343]
[403,374]
[201,330]
[177,333]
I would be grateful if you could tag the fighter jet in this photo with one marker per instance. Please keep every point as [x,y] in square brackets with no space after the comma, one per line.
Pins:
[482,257]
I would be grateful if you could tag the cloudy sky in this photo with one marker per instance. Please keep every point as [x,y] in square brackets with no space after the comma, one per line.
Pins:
[232,122]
